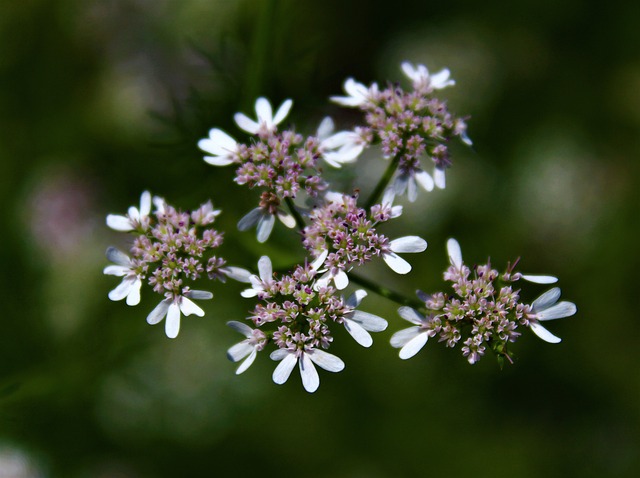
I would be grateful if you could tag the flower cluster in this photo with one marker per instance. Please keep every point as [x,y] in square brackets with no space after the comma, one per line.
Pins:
[299,313]
[484,311]
[171,249]
[296,313]
[346,233]
[408,125]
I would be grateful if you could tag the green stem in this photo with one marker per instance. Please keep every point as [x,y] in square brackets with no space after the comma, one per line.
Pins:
[386,293]
[384,182]
[296,215]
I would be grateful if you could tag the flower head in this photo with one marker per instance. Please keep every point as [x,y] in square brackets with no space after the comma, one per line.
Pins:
[132,273]
[249,347]
[172,307]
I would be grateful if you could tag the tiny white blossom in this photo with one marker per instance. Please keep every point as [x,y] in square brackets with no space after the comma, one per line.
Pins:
[409,182]
[547,307]
[131,283]
[266,121]
[407,244]
[264,221]
[254,342]
[421,78]
[359,323]
[341,148]
[410,341]
[135,218]
[305,359]
[259,284]
[222,147]
[172,307]
[357,94]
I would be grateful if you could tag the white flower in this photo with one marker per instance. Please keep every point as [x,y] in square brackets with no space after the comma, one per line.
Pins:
[358,94]
[411,340]
[266,121]
[422,80]
[403,245]
[358,323]
[221,146]
[305,359]
[135,218]
[254,342]
[171,308]
[455,254]
[409,181]
[130,285]
[547,307]
[341,147]
[265,222]
[260,284]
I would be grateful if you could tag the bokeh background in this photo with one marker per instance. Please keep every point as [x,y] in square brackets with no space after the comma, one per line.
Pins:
[101,99]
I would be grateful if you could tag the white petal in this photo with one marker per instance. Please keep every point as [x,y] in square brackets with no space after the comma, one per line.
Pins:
[116,270]
[412,189]
[119,223]
[558,311]
[354,299]
[327,361]
[284,368]
[369,321]
[341,280]
[172,324]
[309,374]
[249,293]
[546,300]
[282,112]
[441,79]
[247,363]
[287,219]
[237,273]
[133,297]
[538,279]
[218,160]
[358,333]
[543,333]
[243,328]
[188,307]
[159,312]
[438,178]
[265,268]
[145,203]
[279,354]
[408,244]
[200,295]
[455,254]
[413,346]
[265,226]
[123,289]
[397,263]
[219,143]
[118,257]
[412,315]
[402,337]
[317,263]
[326,128]
[250,219]
[388,197]
[425,180]
[240,351]
[246,124]
[264,111]
[408,70]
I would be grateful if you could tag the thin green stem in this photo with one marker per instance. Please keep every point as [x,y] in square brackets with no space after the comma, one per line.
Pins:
[383,183]
[386,293]
[296,215]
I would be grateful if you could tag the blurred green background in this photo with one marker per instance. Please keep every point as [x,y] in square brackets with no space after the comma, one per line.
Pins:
[101,99]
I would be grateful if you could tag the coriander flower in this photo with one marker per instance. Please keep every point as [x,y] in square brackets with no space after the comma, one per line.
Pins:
[135,218]
[266,122]
[409,181]
[423,81]
[254,343]
[130,285]
[222,147]
[359,323]
[341,147]
[264,221]
[173,306]
[407,244]
[305,360]
[357,94]
[547,307]
[262,283]
[410,341]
